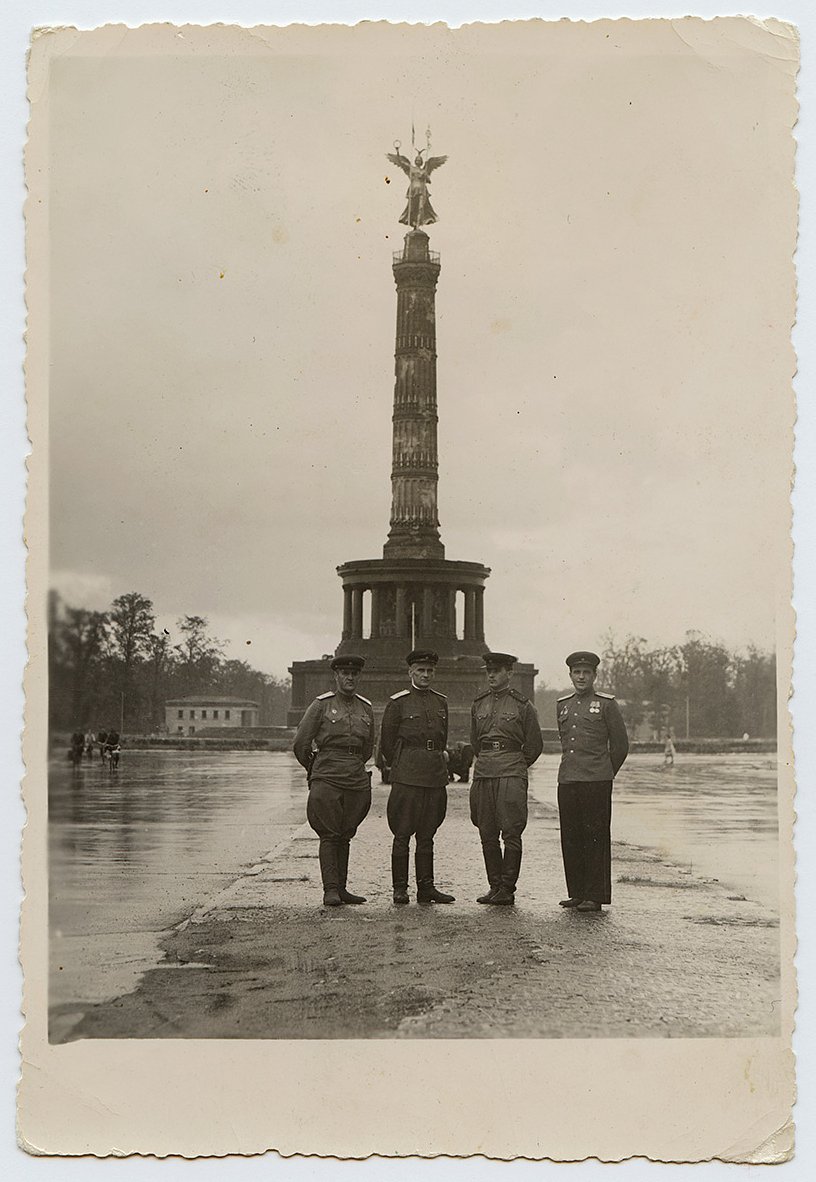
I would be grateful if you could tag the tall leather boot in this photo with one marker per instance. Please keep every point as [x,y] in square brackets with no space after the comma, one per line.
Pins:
[505,896]
[329,872]
[426,891]
[493,865]
[342,875]
[399,875]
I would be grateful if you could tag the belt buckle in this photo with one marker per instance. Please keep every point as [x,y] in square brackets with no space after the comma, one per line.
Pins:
[495,744]
[429,745]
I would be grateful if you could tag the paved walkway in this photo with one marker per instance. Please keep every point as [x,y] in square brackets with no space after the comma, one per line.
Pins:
[676,955]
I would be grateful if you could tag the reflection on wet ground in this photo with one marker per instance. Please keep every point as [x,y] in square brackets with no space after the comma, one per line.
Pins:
[134,852]
[715,814]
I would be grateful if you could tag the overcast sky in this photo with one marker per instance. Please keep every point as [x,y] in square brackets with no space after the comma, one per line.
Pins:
[614,407]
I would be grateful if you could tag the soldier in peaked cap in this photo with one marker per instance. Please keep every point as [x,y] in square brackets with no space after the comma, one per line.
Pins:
[594,745]
[413,741]
[333,742]
[506,736]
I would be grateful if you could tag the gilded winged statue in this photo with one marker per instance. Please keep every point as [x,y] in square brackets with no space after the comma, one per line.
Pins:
[418,211]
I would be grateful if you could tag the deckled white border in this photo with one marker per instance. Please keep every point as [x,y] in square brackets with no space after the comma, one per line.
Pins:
[12,49]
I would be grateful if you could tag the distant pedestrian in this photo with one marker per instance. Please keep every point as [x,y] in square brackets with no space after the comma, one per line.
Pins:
[506,736]
[594,745]
[112,748]
[334,741]
[77,747]
[668,750]
[412,742]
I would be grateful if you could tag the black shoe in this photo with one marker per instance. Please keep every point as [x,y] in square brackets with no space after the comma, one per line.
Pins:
[569,903]
[588,905]
[331,897]
[503,897]
[347,897]
[401,894]
[488,898]
[429,894]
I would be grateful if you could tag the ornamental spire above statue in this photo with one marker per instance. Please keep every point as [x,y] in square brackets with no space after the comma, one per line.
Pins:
[418,211]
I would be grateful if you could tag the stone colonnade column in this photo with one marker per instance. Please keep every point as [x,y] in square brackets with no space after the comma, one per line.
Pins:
[480,613]
[470,613]
[357,613]
[375,611]
[346,613]
[401,612]
[427,611]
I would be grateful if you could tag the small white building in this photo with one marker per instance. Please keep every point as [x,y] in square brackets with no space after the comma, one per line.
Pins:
[188,716]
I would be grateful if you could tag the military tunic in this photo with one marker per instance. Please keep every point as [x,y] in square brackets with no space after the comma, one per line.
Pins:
[594,745]
[413,741]
[333,742]
[594,742]
[414,737]
[341,729]
[506,735]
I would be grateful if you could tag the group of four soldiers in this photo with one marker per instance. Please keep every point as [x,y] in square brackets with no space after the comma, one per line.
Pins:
[336,739]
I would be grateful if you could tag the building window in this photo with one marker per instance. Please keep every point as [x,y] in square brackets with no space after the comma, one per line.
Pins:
[226,715]
[181,713]
[181,730]
[203,713]
[192,713]
[215,713]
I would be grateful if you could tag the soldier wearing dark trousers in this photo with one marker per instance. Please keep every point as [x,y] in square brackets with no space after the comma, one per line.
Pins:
[333,742]
[413,741]
[594,745]
[506,735]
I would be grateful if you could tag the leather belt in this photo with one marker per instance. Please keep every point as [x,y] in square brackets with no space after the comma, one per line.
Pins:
[343,750]
[499,745]
[427,745]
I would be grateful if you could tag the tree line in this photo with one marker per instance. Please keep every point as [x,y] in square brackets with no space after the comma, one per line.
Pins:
[116,668]
[698,689]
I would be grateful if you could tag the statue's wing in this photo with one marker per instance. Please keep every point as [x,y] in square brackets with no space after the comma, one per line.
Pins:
[400,161]
[434,162]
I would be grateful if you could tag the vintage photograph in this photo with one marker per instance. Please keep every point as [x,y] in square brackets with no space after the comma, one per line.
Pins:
[416,457]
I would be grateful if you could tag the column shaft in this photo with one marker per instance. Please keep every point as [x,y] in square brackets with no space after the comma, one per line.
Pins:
[480,613]
[357,613]
[401,621]
[375,612]
[470,613]
[346,613]
[427,611]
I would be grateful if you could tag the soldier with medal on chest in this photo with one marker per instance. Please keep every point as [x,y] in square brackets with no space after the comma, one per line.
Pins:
[334,741]
[412,743]
[594,745]
[506,736]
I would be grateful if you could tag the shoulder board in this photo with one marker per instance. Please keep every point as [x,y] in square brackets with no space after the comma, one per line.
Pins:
[439,695]
[519,697]
[362,699]
[565,697]
[399,694]
[322,697]
[610,697]
[479,697]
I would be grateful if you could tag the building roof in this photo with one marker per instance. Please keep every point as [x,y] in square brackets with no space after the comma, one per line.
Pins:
[209,700]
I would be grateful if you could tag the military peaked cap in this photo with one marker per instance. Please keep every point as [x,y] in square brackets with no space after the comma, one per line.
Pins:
[422,656]
[499,659]
[583,658]
[348,662]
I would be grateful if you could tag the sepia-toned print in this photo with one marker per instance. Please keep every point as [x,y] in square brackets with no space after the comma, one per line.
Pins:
[413,640]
